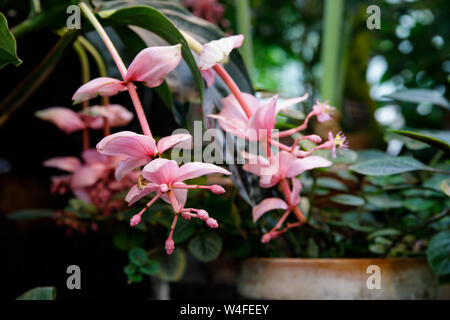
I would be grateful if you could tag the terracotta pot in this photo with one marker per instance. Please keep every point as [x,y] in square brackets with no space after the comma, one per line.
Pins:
[349,279]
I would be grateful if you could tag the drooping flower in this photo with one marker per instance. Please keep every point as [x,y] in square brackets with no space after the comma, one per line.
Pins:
[137,148]
[263,115]
[150,67]
[323,111]
[280,166]
[217,51]
[65,119]
[93,117]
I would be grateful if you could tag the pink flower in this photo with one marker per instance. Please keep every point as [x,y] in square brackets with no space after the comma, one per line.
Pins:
[64,118]
[167,172]
[277,203]
[169,246]
[137,148]
[280,166]
[338,142]
[210,10]
[262,120]
[323,111]
[115,114]
[150,67]
[217,51]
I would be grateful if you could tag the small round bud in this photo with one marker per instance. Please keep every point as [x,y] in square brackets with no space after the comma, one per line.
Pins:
[202,214]
[135,220]
[266,238]
[314,138]
[163,187]
[212,223]
[170,246]
[216,189]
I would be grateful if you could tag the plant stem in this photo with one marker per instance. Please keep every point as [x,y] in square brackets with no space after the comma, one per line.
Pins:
[120,65]
[287,195]
[197,47]
[244,27]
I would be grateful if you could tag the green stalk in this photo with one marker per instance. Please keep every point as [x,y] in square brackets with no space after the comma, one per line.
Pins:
[98,59]
[244,27]
[331,50]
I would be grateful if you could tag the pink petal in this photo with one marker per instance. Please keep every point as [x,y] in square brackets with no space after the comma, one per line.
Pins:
[126,166]
[127,143]
[134,194]
[103,86]
[82,194]
[180,194]
[69,164]
[64,118]
[290,102]
[300,165]
[196,169]
[151,65]
[267,205]
[258,165]
[92,156]
[116,115]
[217,51]
[295,193]
[161,171]
[86,176]
[264,116]
[209,76]
[173,140]
[232,109]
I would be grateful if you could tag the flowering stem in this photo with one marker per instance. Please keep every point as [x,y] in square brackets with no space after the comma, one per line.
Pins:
[197,47]
[174,201]
[120,65]
[287,195]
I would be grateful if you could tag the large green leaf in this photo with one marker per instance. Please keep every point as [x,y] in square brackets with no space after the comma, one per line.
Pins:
[39,293]
[388,165]
[439,139]
[420,96]
[438,253]
[35,78]
[8,48]
[348,200]
[206,246]
[156,22]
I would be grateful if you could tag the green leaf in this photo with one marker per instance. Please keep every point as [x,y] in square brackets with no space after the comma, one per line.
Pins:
[409,143]
[8,48]
[383,233]
[126,238]
[384,201]
[419,204]
[184,230]
[438,253]
[150,268]
[206,246]
[171,268]
[138,256]
[39,293]
[135,277]
[130,269]
[388,165]
[29,214]
[348,200]
[156,22]
[439,139]
[332,184]
[445,186]
[420,96]
[35,78]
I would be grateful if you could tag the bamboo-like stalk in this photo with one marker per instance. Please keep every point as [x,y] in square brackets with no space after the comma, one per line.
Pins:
[244,27]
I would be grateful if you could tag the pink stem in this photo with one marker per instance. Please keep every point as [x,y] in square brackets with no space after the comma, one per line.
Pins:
[120,65]
[234,88]
[287,195]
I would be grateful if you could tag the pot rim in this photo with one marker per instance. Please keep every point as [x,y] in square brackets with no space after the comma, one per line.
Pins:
[336,260]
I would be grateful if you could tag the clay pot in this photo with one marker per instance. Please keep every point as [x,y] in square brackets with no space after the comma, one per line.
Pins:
[349,279]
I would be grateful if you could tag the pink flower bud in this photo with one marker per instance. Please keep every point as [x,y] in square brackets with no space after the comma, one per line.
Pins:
[163,187]
[170,246]
[135,220]
[266,238]
[202,214]
[216,189]
[186,215]
[212,223]
[314,138]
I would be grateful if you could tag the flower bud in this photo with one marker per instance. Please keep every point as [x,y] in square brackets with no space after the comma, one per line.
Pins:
[170,246]
[212,223]
[314,138]
[216,189]
[135,220]
[266,237]
[163,187]
[202,214]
